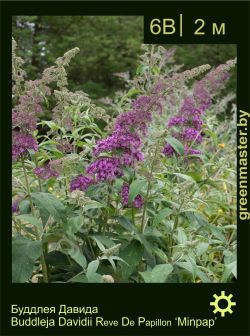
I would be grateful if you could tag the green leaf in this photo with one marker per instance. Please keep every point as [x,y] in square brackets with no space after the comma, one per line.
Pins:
[176,144]
[95,189]
[126,224]
[189,265]
[156,70]
[135,189]
[74,251]
[204,278]
[32,220]
[161,215]
[160,254]
[79,278]
[185,177]
[141,69]
[217,232]
[132,255]
[201,248]
[93,205]
[102,241]
[181,236]
[24,254]
[158,274]
[230,269]
[152,232]
[52,125]
[74,224]
[92,274]
[210,182]
[186,265]
[143,240]
[197,176]
[92,267]
[212,134]
[24,206]
[77,255]
[52,237]
[111,260]
[49,204]
[133,92]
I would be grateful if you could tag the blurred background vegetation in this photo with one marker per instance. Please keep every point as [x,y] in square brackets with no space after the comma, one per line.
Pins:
[108,44]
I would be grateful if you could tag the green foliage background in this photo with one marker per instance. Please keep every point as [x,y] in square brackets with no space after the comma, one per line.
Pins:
[108,44]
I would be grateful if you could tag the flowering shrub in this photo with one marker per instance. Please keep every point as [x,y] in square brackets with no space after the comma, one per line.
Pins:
[142,190]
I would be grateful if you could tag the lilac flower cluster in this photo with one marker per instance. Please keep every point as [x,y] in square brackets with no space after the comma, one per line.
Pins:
[124,144]
[190,124]
[118,140]
[81,182]
[22,143]
[125,141]
[138,118]
[53,168]
[189,119]
[105,169]
[45,172]
[190,134]
[137,202]
[177,120]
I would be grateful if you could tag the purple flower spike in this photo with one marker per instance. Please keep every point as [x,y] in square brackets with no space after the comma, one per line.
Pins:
[190,134]
[168,150]
[81,182]
[138,201]
[21,144]
[118,141]
[189,119]
[190,151]
[177,120]
[105,169]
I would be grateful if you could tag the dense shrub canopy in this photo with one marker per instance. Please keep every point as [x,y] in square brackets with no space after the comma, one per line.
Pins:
[136,187]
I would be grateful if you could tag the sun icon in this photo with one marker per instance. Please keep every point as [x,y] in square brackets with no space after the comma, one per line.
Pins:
[225,300]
